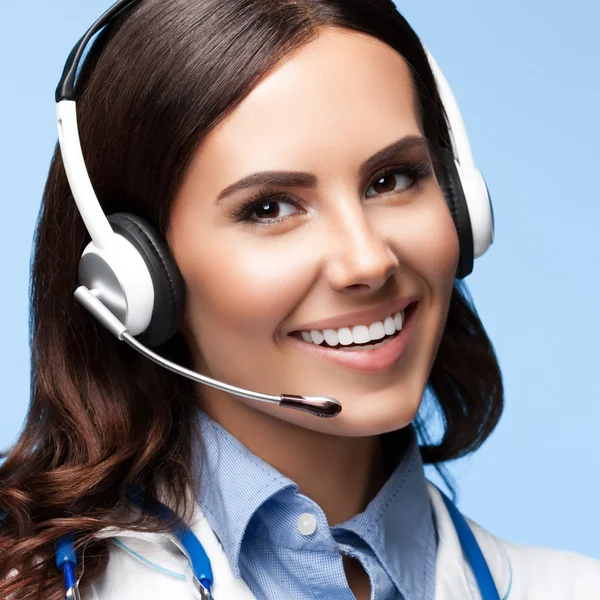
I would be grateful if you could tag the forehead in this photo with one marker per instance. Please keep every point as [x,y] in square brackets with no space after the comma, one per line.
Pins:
[342,97]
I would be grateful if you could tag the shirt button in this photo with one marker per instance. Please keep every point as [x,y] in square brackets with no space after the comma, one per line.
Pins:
[307,524]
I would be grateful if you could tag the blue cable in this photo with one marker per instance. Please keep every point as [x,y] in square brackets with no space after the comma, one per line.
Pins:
[198,558]
[144,560]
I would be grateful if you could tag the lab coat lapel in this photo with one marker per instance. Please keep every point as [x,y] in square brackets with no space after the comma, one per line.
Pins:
[225,586]
[454,578]
[450,578]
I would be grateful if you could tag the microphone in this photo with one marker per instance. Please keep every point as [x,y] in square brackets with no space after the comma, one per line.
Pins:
[319,406]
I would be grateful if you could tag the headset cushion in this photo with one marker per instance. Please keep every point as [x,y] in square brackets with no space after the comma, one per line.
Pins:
[169,288]
[457,202]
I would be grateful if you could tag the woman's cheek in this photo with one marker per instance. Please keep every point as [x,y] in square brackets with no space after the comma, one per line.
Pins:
[248,286]
[431,244]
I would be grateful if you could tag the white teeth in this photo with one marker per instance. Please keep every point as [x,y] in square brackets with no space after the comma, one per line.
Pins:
[389,326]
[345,336]
[359,334]
[399,320]
[376,330]
[317,336]
[331,337]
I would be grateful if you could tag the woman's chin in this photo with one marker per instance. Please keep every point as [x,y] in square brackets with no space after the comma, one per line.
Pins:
[376,418]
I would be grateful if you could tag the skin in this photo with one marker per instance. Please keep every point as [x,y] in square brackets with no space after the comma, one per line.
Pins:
[324,109]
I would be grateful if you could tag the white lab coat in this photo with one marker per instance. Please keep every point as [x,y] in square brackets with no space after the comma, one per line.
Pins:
[520,572]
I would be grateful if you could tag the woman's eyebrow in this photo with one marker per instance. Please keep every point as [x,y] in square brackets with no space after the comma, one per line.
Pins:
[300,179]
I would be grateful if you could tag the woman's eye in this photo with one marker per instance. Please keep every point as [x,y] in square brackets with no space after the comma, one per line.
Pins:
[273,209]
[266,207]
[393,181]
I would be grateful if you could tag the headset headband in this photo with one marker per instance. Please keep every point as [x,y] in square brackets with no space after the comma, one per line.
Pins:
[66,85]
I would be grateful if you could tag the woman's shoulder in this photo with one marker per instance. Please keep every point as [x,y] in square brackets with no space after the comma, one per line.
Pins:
[535,572]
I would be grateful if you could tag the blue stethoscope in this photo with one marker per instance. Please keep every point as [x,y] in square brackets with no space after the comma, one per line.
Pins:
[189,544]
[186,541]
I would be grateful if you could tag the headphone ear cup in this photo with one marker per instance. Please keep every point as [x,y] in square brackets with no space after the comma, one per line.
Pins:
[169,288]
[457,203]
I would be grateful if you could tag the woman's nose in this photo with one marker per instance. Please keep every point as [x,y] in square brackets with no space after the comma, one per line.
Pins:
[362,259]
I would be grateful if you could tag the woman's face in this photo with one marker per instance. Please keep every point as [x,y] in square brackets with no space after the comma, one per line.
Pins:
[313,207]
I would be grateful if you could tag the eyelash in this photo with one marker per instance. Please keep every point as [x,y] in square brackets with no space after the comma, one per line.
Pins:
[244,212]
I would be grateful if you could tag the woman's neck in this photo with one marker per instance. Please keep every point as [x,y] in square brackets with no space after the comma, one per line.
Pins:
[341,474]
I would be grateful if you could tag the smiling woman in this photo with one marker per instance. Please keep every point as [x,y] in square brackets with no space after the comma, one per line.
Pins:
[368,205]
[283,190]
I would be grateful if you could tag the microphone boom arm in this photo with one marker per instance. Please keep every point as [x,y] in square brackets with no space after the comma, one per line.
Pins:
[320,406]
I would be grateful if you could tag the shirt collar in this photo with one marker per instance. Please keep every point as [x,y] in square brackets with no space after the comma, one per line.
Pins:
[397,524]
[234,483]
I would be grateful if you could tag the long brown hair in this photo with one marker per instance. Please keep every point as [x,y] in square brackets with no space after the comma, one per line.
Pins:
[156,80]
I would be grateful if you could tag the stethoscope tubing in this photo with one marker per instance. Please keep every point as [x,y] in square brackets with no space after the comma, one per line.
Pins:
[184,539]
[472,551]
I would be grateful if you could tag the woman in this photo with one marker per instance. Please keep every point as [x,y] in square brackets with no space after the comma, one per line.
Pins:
[295,157]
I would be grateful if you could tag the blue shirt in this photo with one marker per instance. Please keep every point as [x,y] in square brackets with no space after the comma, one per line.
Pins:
[253,510]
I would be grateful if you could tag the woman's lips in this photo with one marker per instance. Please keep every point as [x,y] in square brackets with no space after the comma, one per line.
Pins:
[368,361]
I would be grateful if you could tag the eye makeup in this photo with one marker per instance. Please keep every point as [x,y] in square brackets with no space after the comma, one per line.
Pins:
[265,198]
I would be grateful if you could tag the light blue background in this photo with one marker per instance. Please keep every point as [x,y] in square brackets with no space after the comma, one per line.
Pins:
[525,74]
